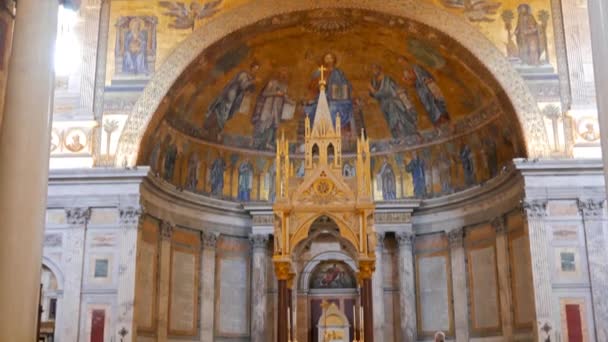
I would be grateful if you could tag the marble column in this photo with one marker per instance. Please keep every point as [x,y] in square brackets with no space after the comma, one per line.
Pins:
[283,273]
[207,286]
[73,262]
[129,223]
[407,288]
[598,20]
[24,162]
[504,283]
[258,287]
[378,290]
[459,284]
[164,279]
[596,237]
[366,271]
[536,229]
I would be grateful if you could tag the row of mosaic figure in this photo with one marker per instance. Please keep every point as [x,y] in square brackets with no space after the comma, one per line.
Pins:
[423,173]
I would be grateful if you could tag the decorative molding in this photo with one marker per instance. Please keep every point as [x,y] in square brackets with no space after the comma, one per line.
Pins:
[499,225]
[405,239]
[78,216]
[535,209]
[263,220]
[259,241]
[591,208]
[166,230]
[392,217]
[209,239]
[130,215]
[456,237]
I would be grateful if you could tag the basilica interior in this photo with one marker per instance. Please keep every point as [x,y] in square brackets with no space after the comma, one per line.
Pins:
[312,171]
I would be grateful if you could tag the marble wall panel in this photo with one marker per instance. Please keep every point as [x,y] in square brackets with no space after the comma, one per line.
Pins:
[104,216]
[232,300]
[521,280]
[183,307]
[483,290]
[147,270]
[433,293]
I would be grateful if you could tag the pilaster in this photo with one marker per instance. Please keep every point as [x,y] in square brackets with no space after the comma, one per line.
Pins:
[166,233]
[73,262]
[378,290]
[407,294]
[504,283]
[535,211]
[259,243]
[459,284]
[130,220]
[209,243]
[596,238]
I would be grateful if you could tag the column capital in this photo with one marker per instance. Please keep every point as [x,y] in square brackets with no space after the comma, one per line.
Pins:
[536,209]
[456,237]
[499,224]
[366,269]
[259,241]
[78,216]
[591,207]
[405,239]
[166,230]
[130,215]
[282,269]
[209,240]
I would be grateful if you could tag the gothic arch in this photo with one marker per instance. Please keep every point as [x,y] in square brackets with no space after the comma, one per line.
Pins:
[453,26]
[304,280]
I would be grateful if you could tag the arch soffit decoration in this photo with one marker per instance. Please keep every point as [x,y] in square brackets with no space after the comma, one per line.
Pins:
[303,229]
[453,26]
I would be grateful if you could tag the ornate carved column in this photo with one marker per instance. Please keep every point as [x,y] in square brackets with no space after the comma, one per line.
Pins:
[535,211]
[130,221]
[24,161]
[164,279]
[208,285]
[258,287]
[407,293]
[459,284]
[73,261]
[366,270]
[504,283]
[597,242]
[378,290]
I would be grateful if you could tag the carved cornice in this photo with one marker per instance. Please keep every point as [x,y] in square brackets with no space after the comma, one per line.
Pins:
[259,241]
[394,217]
[78,216]
[130,215]
[591,208]
[166,230]
[405,239]
[456,237]
[499,225]
[209,240]
[535,209]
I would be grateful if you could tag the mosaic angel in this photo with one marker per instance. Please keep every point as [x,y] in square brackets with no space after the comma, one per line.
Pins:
[186,17]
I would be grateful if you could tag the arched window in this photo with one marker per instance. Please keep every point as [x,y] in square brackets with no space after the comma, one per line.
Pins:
[67,48]
[315,151]
[331,153]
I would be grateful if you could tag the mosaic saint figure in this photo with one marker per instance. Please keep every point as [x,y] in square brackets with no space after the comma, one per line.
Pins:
[245,182]
[491,156]
[338,91]
[428,91]
[348,170]
[153,160]
[217,177]
[400,115]
[269,111]
[170,158]
[444,162]
[301,170]
[271,181]
[527,35]
[387,176]
[229,101]
[468,165]
[416,167]
[135,48]
[193,168]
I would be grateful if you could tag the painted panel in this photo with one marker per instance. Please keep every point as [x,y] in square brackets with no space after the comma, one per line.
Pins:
[97,325]
[574,319]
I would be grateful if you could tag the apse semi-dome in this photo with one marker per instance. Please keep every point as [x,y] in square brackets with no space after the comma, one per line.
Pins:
[437,120]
